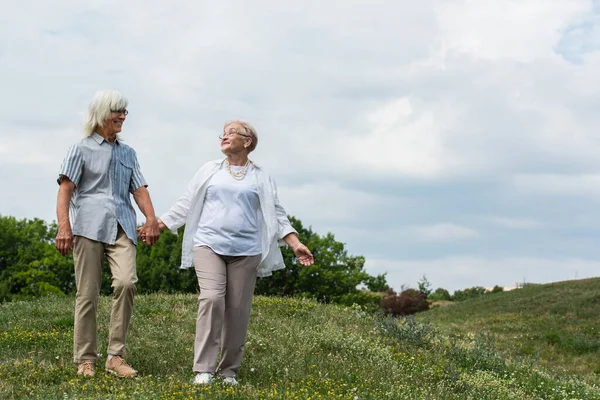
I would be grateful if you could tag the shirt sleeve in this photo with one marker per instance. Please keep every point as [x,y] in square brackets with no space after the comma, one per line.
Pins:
[137,179]
[284,225]
[72,166]
[178,213]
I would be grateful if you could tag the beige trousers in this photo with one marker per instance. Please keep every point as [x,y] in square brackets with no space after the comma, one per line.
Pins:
[224,306]
[88,256]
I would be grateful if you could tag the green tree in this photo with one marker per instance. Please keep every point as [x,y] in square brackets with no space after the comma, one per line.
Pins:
[377,283]
[497,289]
[468,293]
[31,266]
[424,286]
[29,263]
[334,277]
[440,294]
[158,266]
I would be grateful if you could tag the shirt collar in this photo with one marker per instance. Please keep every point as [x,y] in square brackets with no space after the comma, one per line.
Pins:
[99,139]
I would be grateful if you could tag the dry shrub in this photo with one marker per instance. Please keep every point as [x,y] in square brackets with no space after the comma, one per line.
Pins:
[408,302]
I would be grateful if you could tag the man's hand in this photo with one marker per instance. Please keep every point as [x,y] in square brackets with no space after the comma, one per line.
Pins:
[142,230]
[150,232]
[64,239]
[64,236]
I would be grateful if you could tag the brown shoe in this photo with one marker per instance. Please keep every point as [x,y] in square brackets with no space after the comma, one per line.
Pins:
[117,366]
[86,368]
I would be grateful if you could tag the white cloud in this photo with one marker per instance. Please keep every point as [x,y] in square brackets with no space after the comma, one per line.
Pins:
[445,232]
[581,185]
[521,30]
[375,118]
[402,139]
[327,202]
[516,223]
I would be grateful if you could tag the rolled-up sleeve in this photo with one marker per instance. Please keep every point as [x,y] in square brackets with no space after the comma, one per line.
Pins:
[72,166]
[137,179]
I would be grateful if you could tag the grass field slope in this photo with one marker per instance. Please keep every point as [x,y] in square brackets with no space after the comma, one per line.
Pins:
[300,349]
[557,323]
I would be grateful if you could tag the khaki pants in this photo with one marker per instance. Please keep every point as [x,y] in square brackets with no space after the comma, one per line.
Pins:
[88,256]
[224,306]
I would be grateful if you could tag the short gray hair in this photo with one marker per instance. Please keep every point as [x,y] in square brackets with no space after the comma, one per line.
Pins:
[249,130]
[100,108]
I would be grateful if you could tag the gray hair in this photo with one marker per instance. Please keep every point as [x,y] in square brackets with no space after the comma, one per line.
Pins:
[249,130]
[100,108]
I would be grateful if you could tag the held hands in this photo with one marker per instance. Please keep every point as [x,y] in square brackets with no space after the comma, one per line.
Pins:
[64,240]
[150,232]
[303,255]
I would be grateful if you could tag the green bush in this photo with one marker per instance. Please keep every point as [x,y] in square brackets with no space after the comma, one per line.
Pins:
[483,355]
[363,298]
[497,289]
[408,330]
[468,293]
[440,294]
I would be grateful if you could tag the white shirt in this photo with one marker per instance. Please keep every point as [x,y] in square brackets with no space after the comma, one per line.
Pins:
[229,222]
[274,224]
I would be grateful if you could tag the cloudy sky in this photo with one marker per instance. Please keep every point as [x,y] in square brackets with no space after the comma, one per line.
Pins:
[456,139]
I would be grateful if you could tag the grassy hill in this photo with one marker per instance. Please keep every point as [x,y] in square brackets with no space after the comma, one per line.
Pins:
[557,323]
[297,349]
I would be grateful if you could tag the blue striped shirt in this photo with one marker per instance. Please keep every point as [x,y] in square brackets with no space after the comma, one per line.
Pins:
[104,175]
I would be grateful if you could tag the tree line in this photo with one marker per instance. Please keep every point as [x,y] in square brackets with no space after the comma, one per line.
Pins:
[30,266]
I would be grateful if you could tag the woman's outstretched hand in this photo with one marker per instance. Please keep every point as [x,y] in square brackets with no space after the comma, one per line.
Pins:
[303,255]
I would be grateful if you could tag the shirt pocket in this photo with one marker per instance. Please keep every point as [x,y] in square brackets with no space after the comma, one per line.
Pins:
[125,172]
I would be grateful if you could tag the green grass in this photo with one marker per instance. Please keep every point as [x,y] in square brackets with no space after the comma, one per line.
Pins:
[297,349]
[557,323]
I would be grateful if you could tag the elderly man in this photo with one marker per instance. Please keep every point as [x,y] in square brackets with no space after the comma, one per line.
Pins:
[96,178]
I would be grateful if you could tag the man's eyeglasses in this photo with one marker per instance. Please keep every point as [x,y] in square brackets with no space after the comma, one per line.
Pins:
[230,133]
[123,111]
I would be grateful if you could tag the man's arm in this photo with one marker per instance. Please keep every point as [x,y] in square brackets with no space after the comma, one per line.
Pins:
[64,237]
[150,231]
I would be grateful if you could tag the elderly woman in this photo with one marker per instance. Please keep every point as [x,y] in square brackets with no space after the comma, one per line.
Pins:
[234,225]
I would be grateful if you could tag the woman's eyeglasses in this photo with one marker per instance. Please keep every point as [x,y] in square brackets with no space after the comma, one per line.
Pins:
[230,133]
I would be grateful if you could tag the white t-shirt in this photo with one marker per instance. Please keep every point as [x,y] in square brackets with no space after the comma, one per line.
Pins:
[229,223]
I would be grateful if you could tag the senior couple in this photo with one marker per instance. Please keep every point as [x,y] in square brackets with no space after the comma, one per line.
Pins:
[234,226]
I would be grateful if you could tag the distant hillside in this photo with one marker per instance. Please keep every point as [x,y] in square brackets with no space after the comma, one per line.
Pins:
[559,323]
[297,349]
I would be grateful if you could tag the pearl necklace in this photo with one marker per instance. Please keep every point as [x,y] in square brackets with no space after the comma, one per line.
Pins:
[237,175]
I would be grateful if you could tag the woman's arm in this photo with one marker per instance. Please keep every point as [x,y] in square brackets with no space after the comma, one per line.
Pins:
[284,227]
[177,214]
[288,233]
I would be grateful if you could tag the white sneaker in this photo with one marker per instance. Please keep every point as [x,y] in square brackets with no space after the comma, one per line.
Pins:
[230,380]
[203,378]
